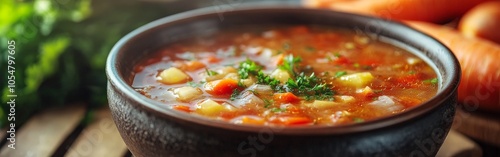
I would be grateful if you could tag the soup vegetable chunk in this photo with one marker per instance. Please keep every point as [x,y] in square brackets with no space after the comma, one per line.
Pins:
[286,75]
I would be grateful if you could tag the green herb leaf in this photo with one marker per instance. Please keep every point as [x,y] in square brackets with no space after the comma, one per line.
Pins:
[248,67]
[290,63]
[340,73]
[211,72]
[433,81]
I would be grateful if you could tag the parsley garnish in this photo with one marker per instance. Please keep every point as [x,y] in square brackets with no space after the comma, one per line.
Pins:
[278,109]
[432,81]
[340,73]
[235,94]
[211,72]
[267,103]
[289,64]
[248,67]
[266,79]
[308,86]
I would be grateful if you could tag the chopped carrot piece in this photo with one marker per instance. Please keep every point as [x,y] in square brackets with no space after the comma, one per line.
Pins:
[182,108]
[279,59]
[290,120]
[285,98]
[252,121]
[341,60]
[212,59]
[223,87]
[194,65]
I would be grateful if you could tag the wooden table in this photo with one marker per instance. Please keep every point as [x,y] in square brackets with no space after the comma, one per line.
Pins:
[59,132]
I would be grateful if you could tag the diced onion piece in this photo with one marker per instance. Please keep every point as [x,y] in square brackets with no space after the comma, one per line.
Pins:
[386,103]
[186,94]
[210,108]
[281,75]
[321,104]
[357,79]
[260,89]
[247,98]
[173,76]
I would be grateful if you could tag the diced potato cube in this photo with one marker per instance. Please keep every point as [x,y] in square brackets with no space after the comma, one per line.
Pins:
[345,99]
[413,61]
[367,91]
[248,82]
[228,69]
[186,94]
[281,75]
[210,108]
[321,104]
[233,76]
[221,73]
[357,79]
[173,76]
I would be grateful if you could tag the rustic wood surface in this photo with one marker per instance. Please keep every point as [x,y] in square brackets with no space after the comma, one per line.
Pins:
[99,138]
[45,131]
[478,125]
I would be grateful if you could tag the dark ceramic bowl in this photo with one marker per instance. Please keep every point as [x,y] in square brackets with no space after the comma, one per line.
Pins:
[149,128]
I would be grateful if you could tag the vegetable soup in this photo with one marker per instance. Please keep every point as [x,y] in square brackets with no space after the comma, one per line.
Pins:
[286,75]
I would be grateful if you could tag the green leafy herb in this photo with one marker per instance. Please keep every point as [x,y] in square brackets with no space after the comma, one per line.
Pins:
[211,72]
[266,79]
[340,73]
[248,67]
[433,81]
[309,86]
[278,109]
[235,94]
[290,63]
[267,103]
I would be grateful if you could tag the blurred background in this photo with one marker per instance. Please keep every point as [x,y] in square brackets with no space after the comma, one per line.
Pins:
[61,48]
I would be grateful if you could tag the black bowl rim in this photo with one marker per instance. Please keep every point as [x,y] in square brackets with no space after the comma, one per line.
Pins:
[114,78]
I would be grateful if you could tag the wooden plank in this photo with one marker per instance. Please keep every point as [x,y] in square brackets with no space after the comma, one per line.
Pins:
[456,145]
[3,133]
[99,138]
[45,131]
[478,125]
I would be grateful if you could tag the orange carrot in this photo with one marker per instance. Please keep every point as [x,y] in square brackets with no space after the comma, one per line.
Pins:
[420,10]
[252,121]
[480,83]
[223,87]
[290,120]
[285,98]
[182,108]
[279,59]
[482,21]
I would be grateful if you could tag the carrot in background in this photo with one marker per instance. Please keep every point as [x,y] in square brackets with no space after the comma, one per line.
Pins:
[479,59]
[419,10]
[482,21]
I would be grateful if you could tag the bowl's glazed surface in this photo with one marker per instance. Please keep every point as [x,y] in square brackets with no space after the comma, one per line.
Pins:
[151,129]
